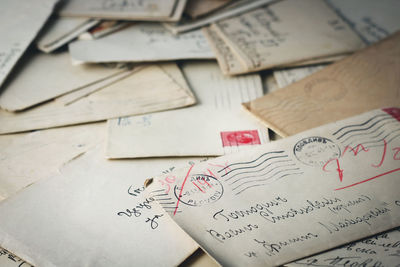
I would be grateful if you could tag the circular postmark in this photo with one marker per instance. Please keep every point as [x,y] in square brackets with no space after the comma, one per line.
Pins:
[325,89]
[199,189]
[316,150]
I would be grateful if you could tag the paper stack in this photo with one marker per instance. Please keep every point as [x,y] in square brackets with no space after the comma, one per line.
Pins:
[137,133]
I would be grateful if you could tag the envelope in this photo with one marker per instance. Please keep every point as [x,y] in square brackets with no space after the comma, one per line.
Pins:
[8,259]
[165,10]
[24,29]
[269,37]
[381,249]
[104,28]
[43,77]
[285,77]
[346,88]
[94,213]
[372,20]
[294,197]
[148,90]
[26,158]
[236,8]
[142,42]
[215,126]
[59,31]
[198,8]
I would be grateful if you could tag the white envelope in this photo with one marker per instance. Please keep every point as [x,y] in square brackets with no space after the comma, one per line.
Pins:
[27,158]
[215,126]
[142,42]
[270,37]
[148,90]
[294,197]
[164,10]
[94,213]
[373,20]
[20,22]
[43,77]
[59,31]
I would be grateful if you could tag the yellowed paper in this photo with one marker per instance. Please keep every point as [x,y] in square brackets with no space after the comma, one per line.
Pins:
[294,197]
[27,158]
[197,8]
[165,10]
[148,90]
[378,250]
[270,36]
[42,77]
[201,130]
[142,42]
[8,259]
[59,31]
[17,32]
[347,88]
[94,213]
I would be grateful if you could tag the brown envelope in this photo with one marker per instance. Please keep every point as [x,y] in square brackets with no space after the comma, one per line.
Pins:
[367,80]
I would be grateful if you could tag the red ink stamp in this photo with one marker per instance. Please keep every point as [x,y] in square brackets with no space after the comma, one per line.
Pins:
[240,138]
[394,112]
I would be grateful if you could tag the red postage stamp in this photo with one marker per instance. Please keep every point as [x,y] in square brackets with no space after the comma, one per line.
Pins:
[240,138]
[395,112]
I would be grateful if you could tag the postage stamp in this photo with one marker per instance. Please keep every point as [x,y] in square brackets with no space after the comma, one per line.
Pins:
[240,138]
[316,150]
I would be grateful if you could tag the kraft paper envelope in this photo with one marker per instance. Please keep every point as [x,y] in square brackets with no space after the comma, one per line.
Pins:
[157,10]
[148,90]
[198,8]
[24,28]
[379,250]
[288,76]
[294,197]
[236,8]
[59,31]
[26,158]
[142,42]
[8,259]
[202,130]
[367,80]
[94,213]
[373,20]
[270,36]
[43,77]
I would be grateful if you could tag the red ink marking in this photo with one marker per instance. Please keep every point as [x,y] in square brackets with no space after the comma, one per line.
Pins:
[198,187]
[396,155]
[164,184]
[170,179]
[211,173]
[369,179]
[394,112]
[338,169]
[383,155]
[180,192]
[225,167]
[356,150]
[240,138]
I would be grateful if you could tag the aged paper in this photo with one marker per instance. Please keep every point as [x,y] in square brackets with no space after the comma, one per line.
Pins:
[24,29]
[197,8]
[142,42]
[373,20]
[379,250]
[164,10]
[235,9]
[59,31]
[8,259]
[148,90]
[27,158]
[215,126]
[270,36]
[261,208]
[344,89]
[104,28]
[94,213]
[42,77]
[288,76]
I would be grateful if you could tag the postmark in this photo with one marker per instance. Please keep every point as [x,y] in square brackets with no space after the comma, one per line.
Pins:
[240,138]
[200,189]
[316,150]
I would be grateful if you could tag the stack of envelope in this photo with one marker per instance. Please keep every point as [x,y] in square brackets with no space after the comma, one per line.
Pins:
[199,133]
